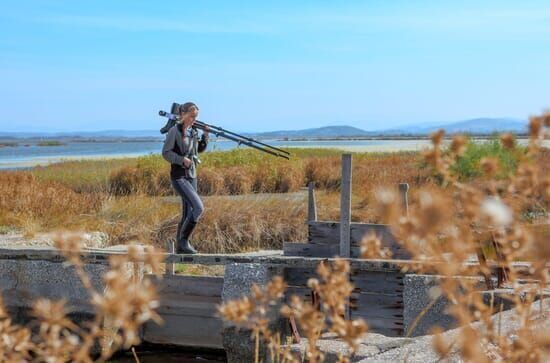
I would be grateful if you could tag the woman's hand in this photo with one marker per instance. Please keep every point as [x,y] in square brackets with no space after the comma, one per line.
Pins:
[187,162]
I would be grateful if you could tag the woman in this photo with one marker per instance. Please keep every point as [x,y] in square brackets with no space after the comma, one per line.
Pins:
[181,149]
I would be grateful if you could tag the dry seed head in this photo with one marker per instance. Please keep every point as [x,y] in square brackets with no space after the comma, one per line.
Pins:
[441,347]
[437,137]
[349,331]
[387,205]
[237,311]
[371,247]
[508,141]
[432,157]
[458,145]
[498,213]
[489,165]
[276,288]
[535,126]
[545,187]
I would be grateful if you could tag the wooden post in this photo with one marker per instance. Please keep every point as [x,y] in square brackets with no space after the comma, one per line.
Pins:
[403,191]
[312,205]
[345,206]
[170,267]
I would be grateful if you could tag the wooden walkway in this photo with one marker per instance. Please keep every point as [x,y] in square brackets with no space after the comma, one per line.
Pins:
[270,257]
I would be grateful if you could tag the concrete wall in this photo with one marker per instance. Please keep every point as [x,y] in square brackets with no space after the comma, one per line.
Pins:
[22,282]
[421,290]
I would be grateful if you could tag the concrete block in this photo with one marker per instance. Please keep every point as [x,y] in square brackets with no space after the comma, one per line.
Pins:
[417,296]
[22,282]
[238,343]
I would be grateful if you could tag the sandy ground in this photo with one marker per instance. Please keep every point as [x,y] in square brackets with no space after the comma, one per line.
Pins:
[16,239]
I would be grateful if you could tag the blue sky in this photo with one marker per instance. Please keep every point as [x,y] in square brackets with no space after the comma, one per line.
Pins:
[258,65]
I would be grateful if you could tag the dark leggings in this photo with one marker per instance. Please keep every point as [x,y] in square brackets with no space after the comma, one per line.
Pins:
[191,202]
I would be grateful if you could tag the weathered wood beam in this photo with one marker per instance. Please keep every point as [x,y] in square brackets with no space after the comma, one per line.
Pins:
[345,207]
[271,258]
[403,191]
[170,268]
[311,203]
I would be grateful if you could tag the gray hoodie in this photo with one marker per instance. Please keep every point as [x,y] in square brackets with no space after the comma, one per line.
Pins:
[176,147]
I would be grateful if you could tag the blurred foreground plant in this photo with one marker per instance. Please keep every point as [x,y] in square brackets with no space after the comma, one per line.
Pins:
[447,227]
[126,303]
[490,219]
[334,289]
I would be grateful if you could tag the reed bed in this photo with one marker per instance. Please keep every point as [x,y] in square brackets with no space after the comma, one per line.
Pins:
[125,197]
[32,204]
[245,224]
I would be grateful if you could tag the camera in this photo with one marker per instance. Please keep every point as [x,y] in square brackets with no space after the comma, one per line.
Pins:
[174,112]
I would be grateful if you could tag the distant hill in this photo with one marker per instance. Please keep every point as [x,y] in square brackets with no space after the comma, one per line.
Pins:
[482,126]
[85,134]
[320,132]
[474,126]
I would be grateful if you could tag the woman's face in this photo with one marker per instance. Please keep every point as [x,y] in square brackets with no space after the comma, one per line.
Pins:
[190,116]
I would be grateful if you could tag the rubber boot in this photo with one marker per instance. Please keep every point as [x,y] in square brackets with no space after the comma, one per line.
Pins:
[184,246]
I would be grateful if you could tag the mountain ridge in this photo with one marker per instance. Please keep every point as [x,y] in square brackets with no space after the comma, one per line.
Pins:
[472,126]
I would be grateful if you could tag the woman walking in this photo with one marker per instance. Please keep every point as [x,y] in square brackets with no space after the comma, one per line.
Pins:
[181,149]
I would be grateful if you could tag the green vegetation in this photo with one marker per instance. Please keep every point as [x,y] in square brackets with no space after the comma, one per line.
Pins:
[230,172]
[468,165]
[50,143]
[6,229]
[8,144]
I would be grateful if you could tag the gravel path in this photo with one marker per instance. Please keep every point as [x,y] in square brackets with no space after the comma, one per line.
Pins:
[16,239]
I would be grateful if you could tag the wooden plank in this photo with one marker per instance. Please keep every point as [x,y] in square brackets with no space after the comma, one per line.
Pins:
[345,207]
[327,233]
[269,258]
[191,305]
[188,307]
[403,192]
[303,292]
[310,249]
[383,326]
[312,204]
[324,232]
[170,268]
[190,285]
[386,283]
[377,305]
[188,331]
[298,276]
[373,282]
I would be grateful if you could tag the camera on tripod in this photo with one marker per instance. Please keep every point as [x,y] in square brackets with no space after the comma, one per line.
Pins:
[173,118]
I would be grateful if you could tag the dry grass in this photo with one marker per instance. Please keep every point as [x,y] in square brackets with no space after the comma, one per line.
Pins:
[91,176]
[236,225]
[124,198]
[26,201]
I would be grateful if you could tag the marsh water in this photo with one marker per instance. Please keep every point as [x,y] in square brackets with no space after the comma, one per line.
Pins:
[26,155]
